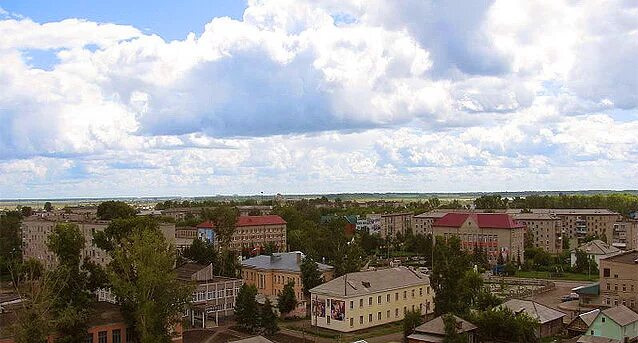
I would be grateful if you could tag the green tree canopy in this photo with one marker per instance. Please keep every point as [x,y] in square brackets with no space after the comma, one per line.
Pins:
[451,332]
[246,310]
[268,319]
[310,275]
[202,252]
[10,241]
[411,320]
[111,209]
[503,325]
[225,219]
[287,301]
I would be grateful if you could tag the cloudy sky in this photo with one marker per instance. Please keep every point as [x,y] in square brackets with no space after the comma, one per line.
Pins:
[139,98]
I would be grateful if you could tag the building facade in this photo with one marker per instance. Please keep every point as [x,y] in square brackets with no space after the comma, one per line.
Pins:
[422,223]
[544,230]
[619,280]
[395,223]
[617,323]
[626,234]
[361,300]
[495,233]
[271,273]
[214,296]
[250,232]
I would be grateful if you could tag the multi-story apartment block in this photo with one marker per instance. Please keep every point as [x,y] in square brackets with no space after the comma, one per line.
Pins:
[36,231]
[422,223]
[619,280]
[271,273]
[578,223]
[495,233]
[626,234]
[250,232]
[395,223]
[213,297]
[545,230]
[361,300]
[184,237]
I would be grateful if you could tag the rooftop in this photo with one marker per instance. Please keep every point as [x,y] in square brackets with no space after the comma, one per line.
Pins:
[596,339]
[535,310]
[436,326]
[533,216]
[565,211]
[483,220]
[287,261]
[188,271]
[368,282]
[621,315]
[598,247]
[629,257]
[249,221]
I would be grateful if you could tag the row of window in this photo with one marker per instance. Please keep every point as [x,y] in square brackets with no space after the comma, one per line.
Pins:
[624,287]
[388,297]
[211,294]
[116,336]
[616,302]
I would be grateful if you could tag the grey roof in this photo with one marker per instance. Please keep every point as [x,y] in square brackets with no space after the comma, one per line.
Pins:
[425,338]
[535,310]
[567,211]
[596,339]
[363,283]
[598,247]
[589,317]
[287,261]
[621,315]
[432,214]
[255,339]
[534,216]
[436,326]
[629,257]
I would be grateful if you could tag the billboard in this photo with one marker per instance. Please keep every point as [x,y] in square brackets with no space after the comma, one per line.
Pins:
[338,309]
[319,307]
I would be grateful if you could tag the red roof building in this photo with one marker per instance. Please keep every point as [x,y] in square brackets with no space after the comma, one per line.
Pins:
[495,233]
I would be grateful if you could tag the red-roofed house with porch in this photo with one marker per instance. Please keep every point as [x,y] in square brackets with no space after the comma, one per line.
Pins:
[494,232]
[250,232]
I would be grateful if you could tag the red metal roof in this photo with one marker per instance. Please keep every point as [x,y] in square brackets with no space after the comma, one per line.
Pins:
[249,221]
[483,220]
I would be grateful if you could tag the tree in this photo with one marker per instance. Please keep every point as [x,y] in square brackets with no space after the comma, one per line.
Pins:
[229,264]
[202,252]
[26,211]
[142,277]
[246,308]
[10,241]
[111,209]
[225,219]
[411,320]
[48,207]
[310,275]
[287,301]
[270,248]
[585,264]
[451,332]
[501,324]
[34,320]
[268,319]
[450,266]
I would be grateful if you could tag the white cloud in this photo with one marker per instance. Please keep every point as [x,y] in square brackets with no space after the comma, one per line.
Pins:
[304,96]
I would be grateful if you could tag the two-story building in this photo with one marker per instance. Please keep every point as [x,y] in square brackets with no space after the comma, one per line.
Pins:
[361,300]
[616,324]
[619,280]
[271,273]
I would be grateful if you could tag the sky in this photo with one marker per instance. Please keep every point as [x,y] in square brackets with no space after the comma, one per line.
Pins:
[205,97]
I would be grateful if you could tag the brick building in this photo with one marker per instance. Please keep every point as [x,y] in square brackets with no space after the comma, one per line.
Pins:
[545,230]
[250,232]
[619,280]
[395,223]
[496,233]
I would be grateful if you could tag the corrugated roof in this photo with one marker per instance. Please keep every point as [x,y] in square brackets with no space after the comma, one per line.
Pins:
[535,310]
[287,261]
[589,317]
[621,315]
[598,247]
[249,221]
[629,257]
[483,220]
[596,339]
[436,326]
[368,282]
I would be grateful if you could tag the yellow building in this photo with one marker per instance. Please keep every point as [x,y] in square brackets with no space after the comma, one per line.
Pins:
[361,300]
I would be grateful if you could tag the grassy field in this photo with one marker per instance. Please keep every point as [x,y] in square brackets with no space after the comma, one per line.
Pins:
[565,276]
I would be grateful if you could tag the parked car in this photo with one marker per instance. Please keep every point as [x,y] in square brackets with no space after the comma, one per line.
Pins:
[570,297]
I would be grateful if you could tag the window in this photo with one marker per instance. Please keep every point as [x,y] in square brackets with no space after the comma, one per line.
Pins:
[405,294]
[413,293]
[388,296]
[101,337]
[405,310]
[624,288]
[388,314]
[351,321]
[608,286]
[360,302]
[369,300]
[379,299]
[360,319]
[117,336]
[89,338]
[396,296]
[130,335]
[602,319]
[421,291]
[370,317]
[351,304]
[396,312]
[606,272]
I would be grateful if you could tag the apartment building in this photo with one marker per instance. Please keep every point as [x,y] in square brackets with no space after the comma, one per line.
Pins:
[36,230]
[422,223]
[578,223]
[250,232]
[214,296]
[271,273]
[626,234]
[361,300]
[544,229]
[184,237]
[619,280]
[395,223]
[495,233]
